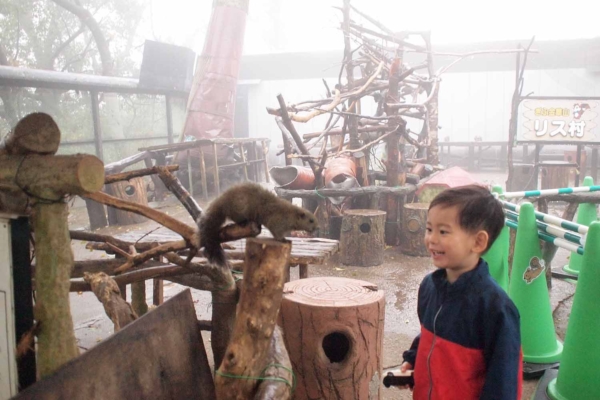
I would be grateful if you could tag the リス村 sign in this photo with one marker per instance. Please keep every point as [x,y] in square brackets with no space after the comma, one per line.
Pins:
[559,120]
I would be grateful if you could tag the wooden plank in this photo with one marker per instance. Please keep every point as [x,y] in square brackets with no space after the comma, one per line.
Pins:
[159,356]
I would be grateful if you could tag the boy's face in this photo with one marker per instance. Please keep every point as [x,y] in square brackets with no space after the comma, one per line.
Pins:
[451,247]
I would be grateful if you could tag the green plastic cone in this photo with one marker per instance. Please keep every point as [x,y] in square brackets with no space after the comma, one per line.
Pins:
[529,292]
[586,214]
[578,373]
[497,255]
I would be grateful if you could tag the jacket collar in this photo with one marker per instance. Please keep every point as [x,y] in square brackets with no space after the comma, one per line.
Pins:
[463,282]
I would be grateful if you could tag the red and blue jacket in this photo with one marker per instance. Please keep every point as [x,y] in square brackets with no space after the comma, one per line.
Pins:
[470,344]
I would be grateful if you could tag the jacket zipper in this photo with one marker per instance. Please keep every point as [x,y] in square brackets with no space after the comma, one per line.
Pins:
[431,352]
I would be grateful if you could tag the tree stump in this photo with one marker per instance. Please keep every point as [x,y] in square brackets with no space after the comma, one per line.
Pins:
[362,237]
[333,330]
[555,174]
[133,190]
[414,222]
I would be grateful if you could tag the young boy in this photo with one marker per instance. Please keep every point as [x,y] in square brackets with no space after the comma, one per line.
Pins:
[470,345]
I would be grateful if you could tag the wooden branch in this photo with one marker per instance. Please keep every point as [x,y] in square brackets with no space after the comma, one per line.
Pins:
[577,198]
[257,313]
[37,133]
[137,259]
[120,165]
[338,131]
[202,275]
[107,266]
[51,177]
[277,358]
[125,176]
[186,231]
[379,139]
[54,259]
[107,291]
[305,118]
[173,184]
[96,237]
[384,36]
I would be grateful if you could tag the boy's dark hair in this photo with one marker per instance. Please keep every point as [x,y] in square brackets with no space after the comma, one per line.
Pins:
[478,209]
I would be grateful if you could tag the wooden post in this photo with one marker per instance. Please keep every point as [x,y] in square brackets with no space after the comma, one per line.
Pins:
[216,172]
[203,174]
[262,290]
[169,118]
[303,271]
[138,298]
[158,292]
[224,303]
[265,151]
[580,168]
[54,261]
[241,147]
[362,237]
[594,171]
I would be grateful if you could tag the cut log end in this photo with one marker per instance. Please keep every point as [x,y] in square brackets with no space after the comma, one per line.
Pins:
[90,174]
[36,133]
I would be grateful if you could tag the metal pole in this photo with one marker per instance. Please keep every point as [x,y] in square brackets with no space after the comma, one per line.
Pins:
[97,127]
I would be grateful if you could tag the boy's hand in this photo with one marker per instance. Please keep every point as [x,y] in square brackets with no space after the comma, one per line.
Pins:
[406,366]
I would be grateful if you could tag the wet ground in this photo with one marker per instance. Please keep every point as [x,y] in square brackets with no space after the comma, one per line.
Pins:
[399,276]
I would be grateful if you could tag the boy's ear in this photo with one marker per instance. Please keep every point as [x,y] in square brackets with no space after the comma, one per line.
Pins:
[481,242]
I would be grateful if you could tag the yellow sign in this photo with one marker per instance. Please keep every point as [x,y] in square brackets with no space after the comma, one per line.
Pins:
[549,120]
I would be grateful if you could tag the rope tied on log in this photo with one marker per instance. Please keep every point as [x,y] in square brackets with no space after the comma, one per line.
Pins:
[292,384]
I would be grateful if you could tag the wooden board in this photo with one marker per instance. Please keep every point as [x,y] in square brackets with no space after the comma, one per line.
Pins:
[159,356]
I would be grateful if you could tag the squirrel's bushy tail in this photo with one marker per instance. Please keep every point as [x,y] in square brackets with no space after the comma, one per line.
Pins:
[209,227]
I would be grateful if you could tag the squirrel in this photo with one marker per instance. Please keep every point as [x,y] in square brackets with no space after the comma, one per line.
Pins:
[250,202]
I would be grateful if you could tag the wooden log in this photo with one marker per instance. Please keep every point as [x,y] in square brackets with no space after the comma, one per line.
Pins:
[279,370]
[414,221]
[133,190]
[175,186]
[125,176]
[54,261]
[260,299]
[107,291]
[224,304]
[36,133]
[51,177]
[362,240]
[138,297]
[188,232]
[334,335]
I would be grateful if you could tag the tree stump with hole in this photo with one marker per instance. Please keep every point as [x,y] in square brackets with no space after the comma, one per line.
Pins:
[133,190]
[362,237]
[333,330]
[414,223]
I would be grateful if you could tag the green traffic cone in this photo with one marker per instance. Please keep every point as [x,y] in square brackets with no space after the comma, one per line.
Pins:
[578,372]
[586,214]
[529,292]
[497,255]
